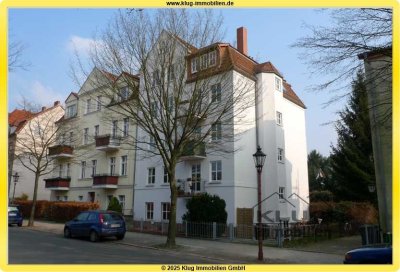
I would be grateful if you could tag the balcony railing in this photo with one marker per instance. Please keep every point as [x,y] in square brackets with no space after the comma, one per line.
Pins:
[58,183]
[106,181]
[61,151]
[107,143]
[190,187]
[194,151]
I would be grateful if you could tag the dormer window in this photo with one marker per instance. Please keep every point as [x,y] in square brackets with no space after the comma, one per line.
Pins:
[71,111]
[195,65]
[124,93]
[278,84]
[204,61]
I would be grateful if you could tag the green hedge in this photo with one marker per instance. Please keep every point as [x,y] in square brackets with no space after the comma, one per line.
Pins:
[55,211]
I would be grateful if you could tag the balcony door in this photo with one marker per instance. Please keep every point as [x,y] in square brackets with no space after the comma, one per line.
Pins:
[196,177]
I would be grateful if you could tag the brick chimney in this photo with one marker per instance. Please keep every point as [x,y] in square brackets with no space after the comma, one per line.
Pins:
[241,33]
[56,103]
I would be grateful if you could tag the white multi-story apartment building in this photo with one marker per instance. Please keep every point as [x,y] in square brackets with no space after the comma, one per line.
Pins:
[94,157]
[29,134]
[275,121]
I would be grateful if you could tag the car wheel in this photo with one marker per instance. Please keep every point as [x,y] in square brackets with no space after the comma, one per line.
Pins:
[94,237]
[120,236]
[67,233]
[20,224]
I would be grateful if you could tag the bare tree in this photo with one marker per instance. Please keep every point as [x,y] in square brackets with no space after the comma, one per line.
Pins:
[188,99]
[15,56]
[332,51]
[31,146]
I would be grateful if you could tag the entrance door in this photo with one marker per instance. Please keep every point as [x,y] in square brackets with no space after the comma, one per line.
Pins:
[196,177]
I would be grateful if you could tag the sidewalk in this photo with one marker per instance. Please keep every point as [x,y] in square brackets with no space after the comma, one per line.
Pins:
[327,252]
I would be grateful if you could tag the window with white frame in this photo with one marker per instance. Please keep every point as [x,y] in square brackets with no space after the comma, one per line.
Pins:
[212,58]
[281,192]
[149,210]
[166,175]
[170,103]
[197,132]
[126,127]
[62,139]
[94,166]
[151,175]
[152,143]
[65,198]
[278,84]
[124,165]
[60,170]
[279,118]
[280,155]
[68,170]
[123,94]
[114,129]
[216,93]
[195,65]
[58,198]
[85,135]
[216,171]
[216,131]
[171,72]
[96,130]
[83,169]
[203,61]
[165,210]
[112,166]
[71,111]
[156,78]
[80,198]
[99,101]
[88,105]
[121,199]
[154,109]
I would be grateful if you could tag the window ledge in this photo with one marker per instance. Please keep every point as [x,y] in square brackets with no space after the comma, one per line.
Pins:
[215,182]
[149,185]
[165,184]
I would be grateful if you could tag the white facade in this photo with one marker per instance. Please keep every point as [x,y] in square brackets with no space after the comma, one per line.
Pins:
[238,186]
[94,172]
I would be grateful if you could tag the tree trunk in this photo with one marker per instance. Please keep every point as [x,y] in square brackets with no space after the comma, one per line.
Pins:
[172,219]
[32,216]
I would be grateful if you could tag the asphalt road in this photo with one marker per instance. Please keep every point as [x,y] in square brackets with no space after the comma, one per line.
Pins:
[28,246]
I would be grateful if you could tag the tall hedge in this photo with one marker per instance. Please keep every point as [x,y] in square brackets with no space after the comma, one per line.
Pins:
[205,208]
[344,211]
[114,205]
[55,211]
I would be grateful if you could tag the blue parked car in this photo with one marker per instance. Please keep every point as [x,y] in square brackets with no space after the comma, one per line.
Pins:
[96,224]
[369,255]
[14,215]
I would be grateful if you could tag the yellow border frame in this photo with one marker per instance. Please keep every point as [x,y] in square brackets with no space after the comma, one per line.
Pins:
[161,3]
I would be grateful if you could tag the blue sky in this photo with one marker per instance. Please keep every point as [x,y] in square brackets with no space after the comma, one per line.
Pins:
[50,33]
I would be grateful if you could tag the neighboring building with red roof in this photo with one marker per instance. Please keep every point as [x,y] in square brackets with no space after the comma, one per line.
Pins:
[22,124]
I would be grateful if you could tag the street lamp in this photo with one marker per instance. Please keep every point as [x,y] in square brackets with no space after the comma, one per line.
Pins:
[16,177]
[259,159]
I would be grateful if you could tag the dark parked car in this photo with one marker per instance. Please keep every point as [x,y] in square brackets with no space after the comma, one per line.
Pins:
[369,255]
[96,224]
[14,215]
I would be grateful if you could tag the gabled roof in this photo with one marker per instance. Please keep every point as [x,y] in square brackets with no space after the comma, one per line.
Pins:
[267,67]
[290,95]
[17,116]
[232,59]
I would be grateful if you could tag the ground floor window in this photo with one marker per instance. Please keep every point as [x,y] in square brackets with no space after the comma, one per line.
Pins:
[149,210]
[165,210]
[121,199]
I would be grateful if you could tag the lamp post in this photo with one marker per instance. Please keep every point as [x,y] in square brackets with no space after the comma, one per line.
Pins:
[259,159]
[16,177]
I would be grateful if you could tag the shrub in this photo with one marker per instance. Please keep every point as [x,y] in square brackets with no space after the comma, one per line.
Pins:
[114,205]
[344,211]
[205,208]
[23,196]
[56,211]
